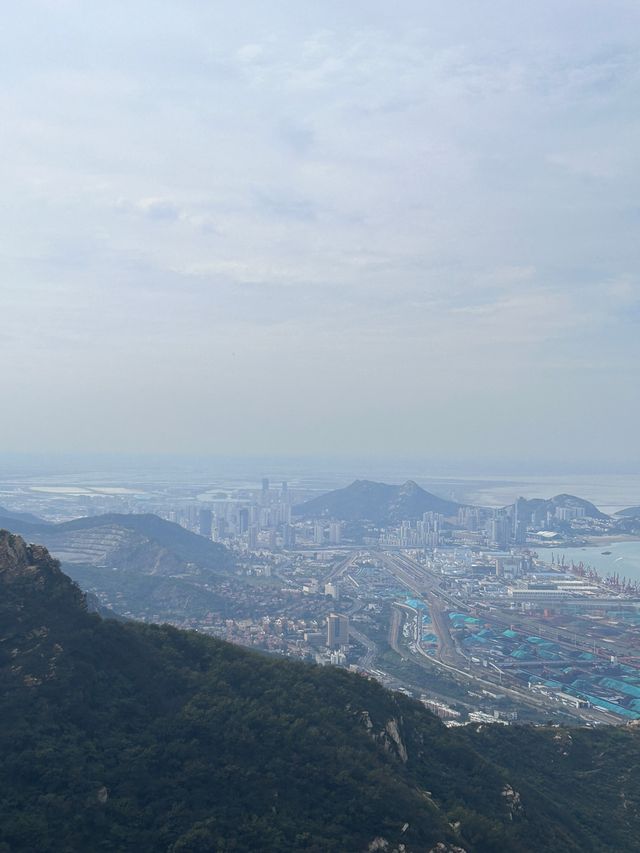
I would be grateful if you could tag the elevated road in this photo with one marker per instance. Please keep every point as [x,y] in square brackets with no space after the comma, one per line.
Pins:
[340,568]
[367,660]
[426,585]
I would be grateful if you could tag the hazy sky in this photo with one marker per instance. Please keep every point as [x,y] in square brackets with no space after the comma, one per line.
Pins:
[334,227]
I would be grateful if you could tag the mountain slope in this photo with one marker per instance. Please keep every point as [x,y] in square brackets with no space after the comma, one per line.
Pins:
[537,508]
[145,543]
[379,503]
[154,739]
[629,512]
[123,737]
[27,517]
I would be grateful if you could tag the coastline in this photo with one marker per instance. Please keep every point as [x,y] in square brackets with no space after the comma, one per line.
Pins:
[591,541]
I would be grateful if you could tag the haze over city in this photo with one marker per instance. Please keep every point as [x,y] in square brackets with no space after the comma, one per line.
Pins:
[319,460]
[331,228]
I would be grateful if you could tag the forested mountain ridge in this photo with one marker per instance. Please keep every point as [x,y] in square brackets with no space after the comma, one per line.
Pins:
[384,504]
[537,509]
[123,737]
[380,503]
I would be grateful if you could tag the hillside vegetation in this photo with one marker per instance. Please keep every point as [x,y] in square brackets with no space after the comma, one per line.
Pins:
[129,737]
[379,503]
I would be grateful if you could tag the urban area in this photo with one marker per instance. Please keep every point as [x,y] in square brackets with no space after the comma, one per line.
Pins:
[473,611]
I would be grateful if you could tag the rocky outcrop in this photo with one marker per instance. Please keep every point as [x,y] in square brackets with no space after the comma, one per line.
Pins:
[389,737]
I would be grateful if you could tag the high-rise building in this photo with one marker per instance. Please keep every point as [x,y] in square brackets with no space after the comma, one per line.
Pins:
[569,513]
[264,494]
[332,588]
[520,521]
[335,532]
[500,529]
[318,533]
[406,534]
[220,529]
[243,520]
[252,538]
[284,513]
[468,518]
[288,536]
[254,514]
[205,521]
[337,630]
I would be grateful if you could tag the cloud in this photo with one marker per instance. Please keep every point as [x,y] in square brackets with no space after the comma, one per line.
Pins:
[441,199]
[159,209]
[249,53]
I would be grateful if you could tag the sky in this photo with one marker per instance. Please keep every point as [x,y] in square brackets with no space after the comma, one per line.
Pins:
[342,228]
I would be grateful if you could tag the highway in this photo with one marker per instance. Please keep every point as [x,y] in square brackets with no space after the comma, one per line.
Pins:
[371,650]
[447,651]
[394,630]
[367,660]
[426,585]
[340,568]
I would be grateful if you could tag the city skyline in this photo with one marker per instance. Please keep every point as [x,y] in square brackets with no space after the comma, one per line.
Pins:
[319,466]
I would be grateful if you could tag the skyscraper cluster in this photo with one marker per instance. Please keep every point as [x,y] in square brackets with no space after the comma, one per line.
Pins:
[259,521]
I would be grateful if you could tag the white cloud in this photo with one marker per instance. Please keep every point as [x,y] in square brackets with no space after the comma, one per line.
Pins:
[445,198]
[250,52]
[159,209]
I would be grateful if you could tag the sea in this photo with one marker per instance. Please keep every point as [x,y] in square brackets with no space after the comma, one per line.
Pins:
[622,558]
[608,490]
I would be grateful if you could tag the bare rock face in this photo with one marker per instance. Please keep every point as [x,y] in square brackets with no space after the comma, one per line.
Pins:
[389,737]
[513,801]
[393,733]
[35,596]
[15,555]
[366,720]
[32,565]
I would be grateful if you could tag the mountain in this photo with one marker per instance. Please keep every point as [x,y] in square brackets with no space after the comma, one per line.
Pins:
[28,517]
[145,543]
[537,508]
[141,565]
[629,512]
[379,503]
[627,521]
[122,736]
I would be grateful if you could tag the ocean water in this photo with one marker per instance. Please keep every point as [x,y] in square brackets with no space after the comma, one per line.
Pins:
[609,492]
[623,559]
[32,483]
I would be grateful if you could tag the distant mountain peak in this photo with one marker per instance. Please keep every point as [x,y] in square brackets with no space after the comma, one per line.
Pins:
[379,503]
[539,507]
